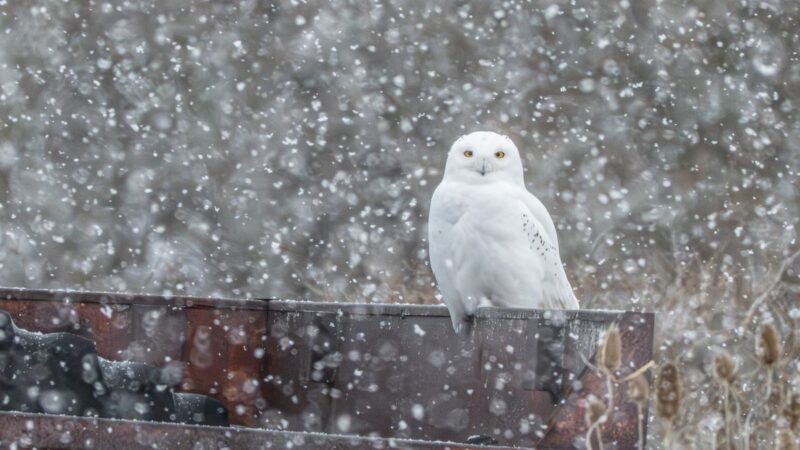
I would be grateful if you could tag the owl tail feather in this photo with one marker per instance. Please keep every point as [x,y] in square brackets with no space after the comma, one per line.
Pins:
[459,318]
[462,324]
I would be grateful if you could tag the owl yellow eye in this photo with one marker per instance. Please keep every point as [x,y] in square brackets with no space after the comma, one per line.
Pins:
[468,153]
[499,155]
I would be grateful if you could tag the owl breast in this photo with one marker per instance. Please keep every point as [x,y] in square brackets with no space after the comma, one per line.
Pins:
[486,251]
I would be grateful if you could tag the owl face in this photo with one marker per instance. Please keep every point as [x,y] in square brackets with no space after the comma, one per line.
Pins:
[484,156]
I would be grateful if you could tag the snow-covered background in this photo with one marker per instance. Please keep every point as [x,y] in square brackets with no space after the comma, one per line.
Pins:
[252,150]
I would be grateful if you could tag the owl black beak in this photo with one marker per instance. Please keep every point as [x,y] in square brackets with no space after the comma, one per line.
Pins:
[483,168]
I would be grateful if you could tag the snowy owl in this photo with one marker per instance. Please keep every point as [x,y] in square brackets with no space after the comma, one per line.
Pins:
[492,243]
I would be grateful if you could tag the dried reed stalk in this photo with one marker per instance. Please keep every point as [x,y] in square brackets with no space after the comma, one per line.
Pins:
[609,358]
[725,374]
[668,393]
[595,414]
[638,393]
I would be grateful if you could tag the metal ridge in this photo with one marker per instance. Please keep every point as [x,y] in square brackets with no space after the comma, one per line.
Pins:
[369,309]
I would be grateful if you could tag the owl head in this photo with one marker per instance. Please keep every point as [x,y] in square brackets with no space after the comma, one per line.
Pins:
[484,157]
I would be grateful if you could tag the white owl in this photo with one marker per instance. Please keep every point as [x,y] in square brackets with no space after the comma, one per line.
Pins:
[492,243]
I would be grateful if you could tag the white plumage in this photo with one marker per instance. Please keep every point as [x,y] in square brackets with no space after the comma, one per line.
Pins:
[492,243]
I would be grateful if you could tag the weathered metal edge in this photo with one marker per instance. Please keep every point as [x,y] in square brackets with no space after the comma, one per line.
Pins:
[390,309]
[45,430]
[129,298]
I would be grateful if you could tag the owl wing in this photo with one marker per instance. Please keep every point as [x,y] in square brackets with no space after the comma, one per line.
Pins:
[541,235]
[444,248]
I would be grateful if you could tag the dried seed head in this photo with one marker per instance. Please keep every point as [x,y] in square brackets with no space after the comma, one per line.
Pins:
[768,345]
[595,410]
[668,391]
[724,367]
[792,411]
[638,389]
[609,356]
[786,440]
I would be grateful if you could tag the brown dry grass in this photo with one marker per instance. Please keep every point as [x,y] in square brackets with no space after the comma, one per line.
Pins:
[728,374]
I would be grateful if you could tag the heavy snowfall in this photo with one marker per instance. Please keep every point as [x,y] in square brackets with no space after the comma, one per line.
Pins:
[257,150]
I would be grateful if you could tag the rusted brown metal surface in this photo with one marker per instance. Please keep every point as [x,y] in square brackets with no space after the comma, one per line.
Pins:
[395,371]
